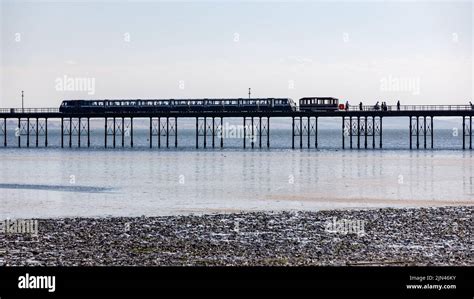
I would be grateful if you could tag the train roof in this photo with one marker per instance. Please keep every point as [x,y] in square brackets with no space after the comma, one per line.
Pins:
[189,99]
[319,98]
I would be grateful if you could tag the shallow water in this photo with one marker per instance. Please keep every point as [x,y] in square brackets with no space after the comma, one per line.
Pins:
[58,182]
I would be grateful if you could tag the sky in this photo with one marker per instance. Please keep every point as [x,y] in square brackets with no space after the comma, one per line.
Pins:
[418,52]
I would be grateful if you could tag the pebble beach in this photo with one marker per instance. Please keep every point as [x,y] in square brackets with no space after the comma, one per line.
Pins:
[397,237]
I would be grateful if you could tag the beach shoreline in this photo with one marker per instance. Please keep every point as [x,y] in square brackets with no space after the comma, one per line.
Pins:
[438,236]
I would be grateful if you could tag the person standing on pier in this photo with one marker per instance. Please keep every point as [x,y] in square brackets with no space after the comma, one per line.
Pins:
[360,106]
[398,105]
[347,105]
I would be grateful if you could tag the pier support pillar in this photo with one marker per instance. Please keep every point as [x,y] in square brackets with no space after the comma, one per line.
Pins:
[293,133]
[268,132]
[358,132]
[197,132]
[365,126]
[3,131]
[28,132]
[418,127]
[131,131]
[213,131]
[18,132]
[88,132]
[151,132]
[245,131]
[411,131]
[123,131]
[351,130]
[222,132]
[301,132]
[466,131]
[105,132]
[343,132]
[381,131]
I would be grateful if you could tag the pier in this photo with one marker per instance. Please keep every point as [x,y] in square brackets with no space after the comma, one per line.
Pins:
[360,128]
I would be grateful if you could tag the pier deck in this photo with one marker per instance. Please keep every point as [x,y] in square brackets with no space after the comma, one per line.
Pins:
[360,128]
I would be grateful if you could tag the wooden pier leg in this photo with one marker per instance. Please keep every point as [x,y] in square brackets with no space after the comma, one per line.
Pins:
[79,134]
[205,132]
[105,134]
[358,132]
[417,132]
[213,132]
[411,132]
[470,132]
[365,132]
[381,132]
[159,132]
[343,133]
[293,132]
[5,135]
[123,132]
[62,132]
[432,132]
[88,132]
[463,132]
[70,132]
[268,132]
[308,127]
[176,132]
[301,132]
[253,132]
[131,131]
[350,131]
[167,132]
[197,132]
[424,132]
[46,132]
[28,132]
[222,132]
[37,133]
[151,132]
[373,132]
[114,131]
[316,133]
[245,131]
[19,132]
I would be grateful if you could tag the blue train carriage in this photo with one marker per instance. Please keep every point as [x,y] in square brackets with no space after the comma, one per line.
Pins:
[177,105]
[319,104]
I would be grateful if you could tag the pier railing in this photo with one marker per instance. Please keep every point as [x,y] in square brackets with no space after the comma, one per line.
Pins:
[351,108]
[413,108]
[29,110]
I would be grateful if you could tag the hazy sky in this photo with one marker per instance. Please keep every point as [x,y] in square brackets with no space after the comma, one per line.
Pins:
[418,52]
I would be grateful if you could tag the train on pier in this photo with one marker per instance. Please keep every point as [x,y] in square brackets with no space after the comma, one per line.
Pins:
[201,105]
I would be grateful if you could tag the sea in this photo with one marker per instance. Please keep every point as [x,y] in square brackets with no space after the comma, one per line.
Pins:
[57,182]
